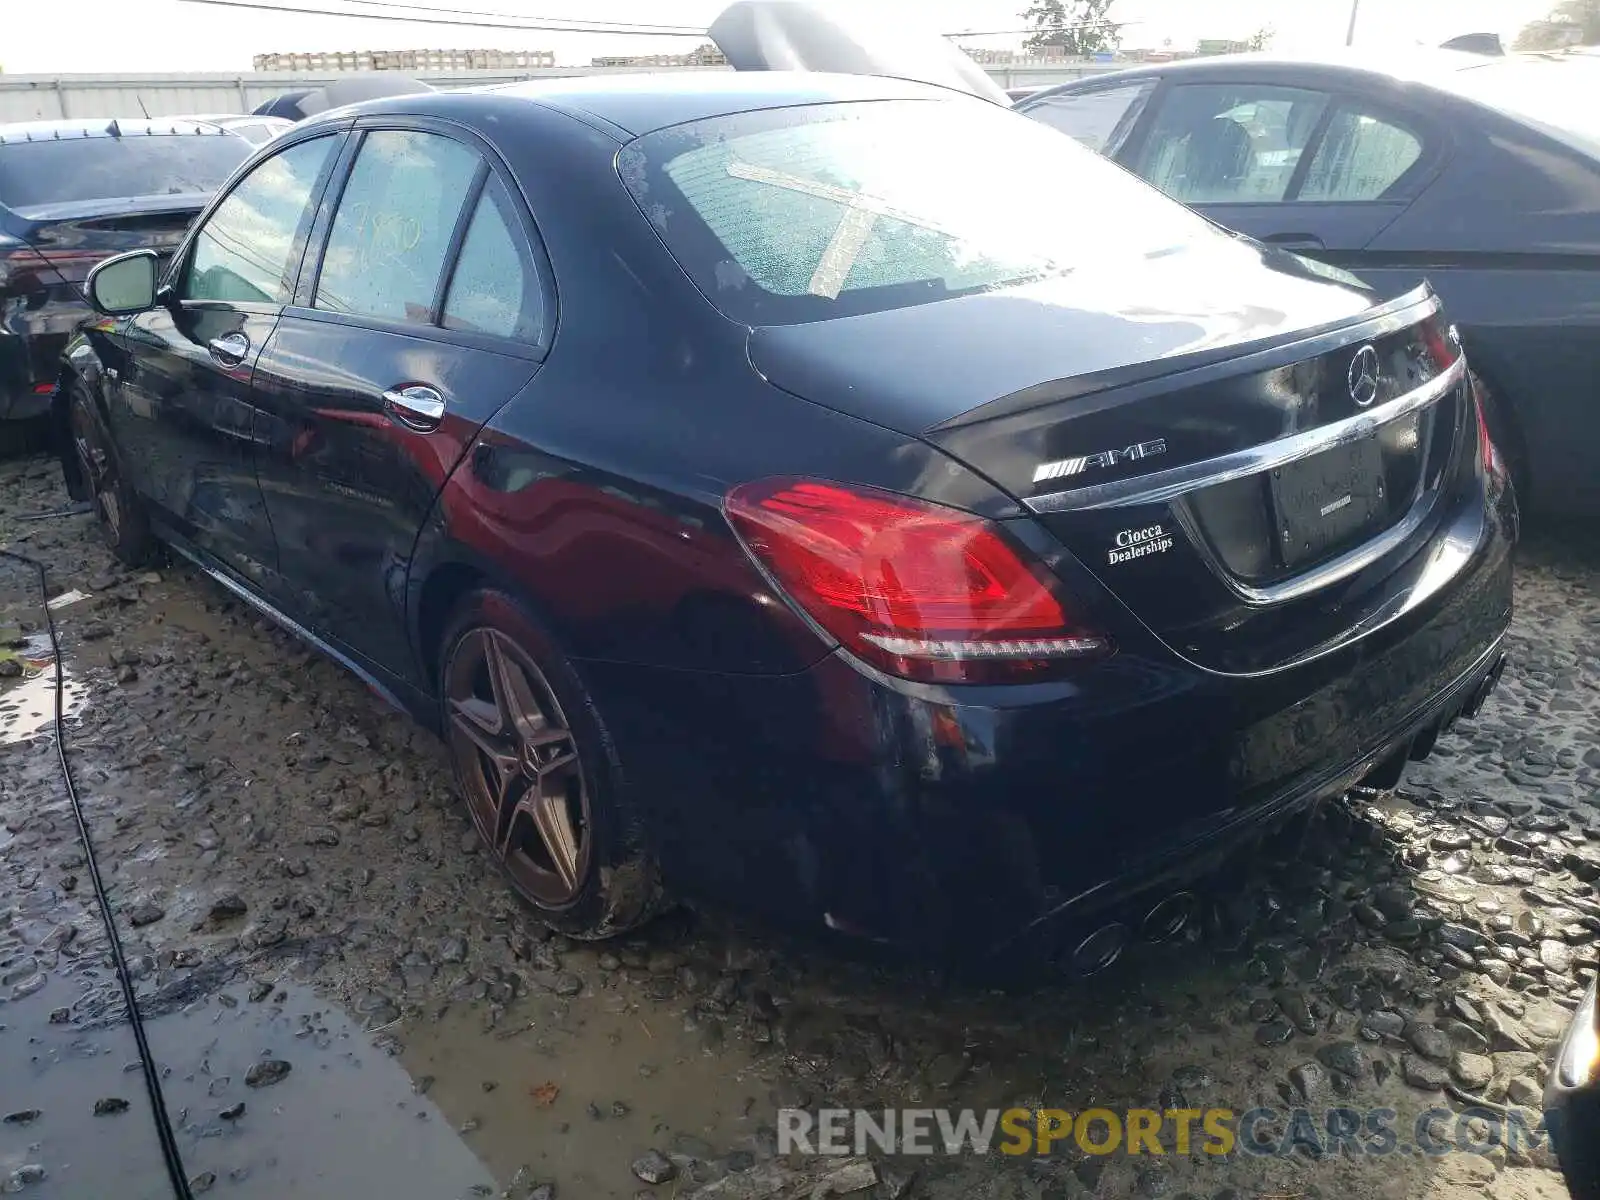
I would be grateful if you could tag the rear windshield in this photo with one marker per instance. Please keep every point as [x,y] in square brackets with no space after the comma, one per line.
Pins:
[820,211]
[1561,94]
[75,170]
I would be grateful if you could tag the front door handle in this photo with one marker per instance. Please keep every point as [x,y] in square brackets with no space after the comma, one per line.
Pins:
[415,405]
[229,349]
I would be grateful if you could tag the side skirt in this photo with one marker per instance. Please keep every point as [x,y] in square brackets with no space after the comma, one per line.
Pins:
[398,696]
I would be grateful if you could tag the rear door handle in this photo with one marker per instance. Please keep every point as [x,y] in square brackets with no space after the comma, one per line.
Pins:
[1295,241]
[229,349]
[415,405]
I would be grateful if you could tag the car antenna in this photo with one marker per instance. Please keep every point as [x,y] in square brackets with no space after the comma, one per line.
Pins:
[142,108]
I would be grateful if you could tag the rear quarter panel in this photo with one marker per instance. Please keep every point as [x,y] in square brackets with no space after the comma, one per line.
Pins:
[597,494]
[1509,235]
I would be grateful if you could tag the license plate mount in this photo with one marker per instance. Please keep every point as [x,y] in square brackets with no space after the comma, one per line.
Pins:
[1330,499]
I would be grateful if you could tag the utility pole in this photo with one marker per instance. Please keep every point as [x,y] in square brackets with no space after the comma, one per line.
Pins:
[1350,37]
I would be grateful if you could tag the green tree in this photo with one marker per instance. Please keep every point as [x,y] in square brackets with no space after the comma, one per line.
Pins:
[1262,38]
[1572,22]
[1078,27]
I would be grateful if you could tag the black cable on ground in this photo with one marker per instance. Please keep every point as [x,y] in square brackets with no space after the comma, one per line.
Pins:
[152,1081]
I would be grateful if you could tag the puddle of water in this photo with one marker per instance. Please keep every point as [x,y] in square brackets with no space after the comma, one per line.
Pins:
[28,701]
[672,1092]
[344,1121]
[60,1073]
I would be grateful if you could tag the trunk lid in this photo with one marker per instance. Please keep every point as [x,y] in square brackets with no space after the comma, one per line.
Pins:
[1129,317]
[69,239]
[1240,454]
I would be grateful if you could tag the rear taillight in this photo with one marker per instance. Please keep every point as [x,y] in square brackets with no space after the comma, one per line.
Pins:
[27,269]
[1488,455]
[916,589]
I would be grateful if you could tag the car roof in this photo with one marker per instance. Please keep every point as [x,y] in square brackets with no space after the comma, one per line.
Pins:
[640,103]
[1426,65]
[1417,64]
[101,127]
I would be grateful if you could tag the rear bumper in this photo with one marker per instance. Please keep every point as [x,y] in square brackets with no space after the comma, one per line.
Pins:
[960,820]
[28,361]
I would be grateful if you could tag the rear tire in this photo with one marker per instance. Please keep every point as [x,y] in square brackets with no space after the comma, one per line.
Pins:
[539,773]
[124,521]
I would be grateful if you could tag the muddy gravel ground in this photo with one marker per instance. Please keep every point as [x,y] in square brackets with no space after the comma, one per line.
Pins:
[295,883]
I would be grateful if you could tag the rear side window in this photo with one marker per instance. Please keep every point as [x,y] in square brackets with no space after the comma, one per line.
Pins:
[1360,157]
[1229,144]
[1098,119]
[391,235]
[493,288]
[243,253]
[84,169]
[819,211]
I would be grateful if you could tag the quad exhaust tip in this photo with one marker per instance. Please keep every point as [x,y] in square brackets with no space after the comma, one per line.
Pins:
[1100,950]
[1475,702]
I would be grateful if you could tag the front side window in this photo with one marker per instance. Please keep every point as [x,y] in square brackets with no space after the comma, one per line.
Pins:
[1229,144]
[819,211]
[1098,119]
[244,252]
[391,234]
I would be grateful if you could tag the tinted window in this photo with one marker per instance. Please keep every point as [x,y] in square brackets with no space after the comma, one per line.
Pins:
[244,252]
[74,170]
[1099,119]
[493,289]
[823,210]
[1216,144]
[1360,157]
[392,232]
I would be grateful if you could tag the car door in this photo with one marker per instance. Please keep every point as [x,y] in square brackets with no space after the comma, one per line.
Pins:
[430,308]
[1318,171]
[182,406]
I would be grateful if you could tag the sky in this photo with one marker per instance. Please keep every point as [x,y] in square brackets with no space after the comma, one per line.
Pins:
[124,36]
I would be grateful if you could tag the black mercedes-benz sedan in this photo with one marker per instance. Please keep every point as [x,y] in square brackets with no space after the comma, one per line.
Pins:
[838,498]
[1480,174]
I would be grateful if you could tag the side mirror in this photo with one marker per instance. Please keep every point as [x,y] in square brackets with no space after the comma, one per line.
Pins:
[124,285]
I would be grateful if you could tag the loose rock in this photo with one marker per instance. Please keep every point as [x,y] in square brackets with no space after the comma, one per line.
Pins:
[654,1167]
[266,1072]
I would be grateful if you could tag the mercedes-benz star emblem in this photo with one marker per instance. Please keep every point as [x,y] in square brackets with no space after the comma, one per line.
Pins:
[1363,377]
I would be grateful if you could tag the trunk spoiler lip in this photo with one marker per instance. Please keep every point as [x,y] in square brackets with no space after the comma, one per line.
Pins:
[111,207]
[1205,366]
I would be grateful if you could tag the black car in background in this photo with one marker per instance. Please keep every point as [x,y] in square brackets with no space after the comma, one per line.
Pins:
[1480,174]
[73,193]
[834,497]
